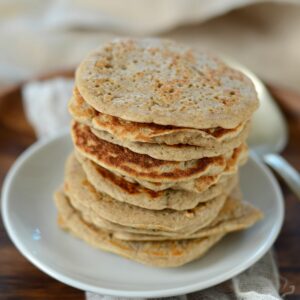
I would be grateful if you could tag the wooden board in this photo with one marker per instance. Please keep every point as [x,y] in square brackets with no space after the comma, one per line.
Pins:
[19,279]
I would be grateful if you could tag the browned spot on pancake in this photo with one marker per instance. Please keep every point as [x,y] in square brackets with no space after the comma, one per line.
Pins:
[175,251]
[139,165]
[79,107]
[206,180]
[78,97]
[119,244]
[88,185]
[232,162]
[202,182]
[190,213]
[128,187]
[219,131]
[156,183]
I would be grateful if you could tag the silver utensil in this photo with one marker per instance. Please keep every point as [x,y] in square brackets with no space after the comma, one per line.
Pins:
[269,134]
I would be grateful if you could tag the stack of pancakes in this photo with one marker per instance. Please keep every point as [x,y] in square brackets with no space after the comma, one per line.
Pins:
[159,133]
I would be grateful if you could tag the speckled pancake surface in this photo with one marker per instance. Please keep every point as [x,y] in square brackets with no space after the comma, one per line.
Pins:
[159,81]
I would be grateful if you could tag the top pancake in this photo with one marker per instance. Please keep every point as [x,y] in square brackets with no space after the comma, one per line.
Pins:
[158,81]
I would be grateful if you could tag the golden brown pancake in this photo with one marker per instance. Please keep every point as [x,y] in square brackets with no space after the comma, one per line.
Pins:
[128,163]
[133,193]
[83,195]
[178,152]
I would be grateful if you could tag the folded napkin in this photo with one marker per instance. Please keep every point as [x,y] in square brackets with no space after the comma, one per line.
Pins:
[45,105]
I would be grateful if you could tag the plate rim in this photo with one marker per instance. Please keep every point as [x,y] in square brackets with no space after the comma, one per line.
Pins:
[30,151]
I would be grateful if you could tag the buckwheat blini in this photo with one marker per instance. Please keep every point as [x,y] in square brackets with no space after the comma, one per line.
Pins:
[159,133]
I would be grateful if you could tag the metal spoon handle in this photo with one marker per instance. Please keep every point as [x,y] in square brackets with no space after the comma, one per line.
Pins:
[285,171]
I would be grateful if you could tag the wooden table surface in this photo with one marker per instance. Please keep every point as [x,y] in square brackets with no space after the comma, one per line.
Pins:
[19,279]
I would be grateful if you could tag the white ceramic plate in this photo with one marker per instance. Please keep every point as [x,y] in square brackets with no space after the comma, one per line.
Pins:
[30,219]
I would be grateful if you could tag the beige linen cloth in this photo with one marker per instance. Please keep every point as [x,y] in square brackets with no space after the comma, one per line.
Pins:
[37,37]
